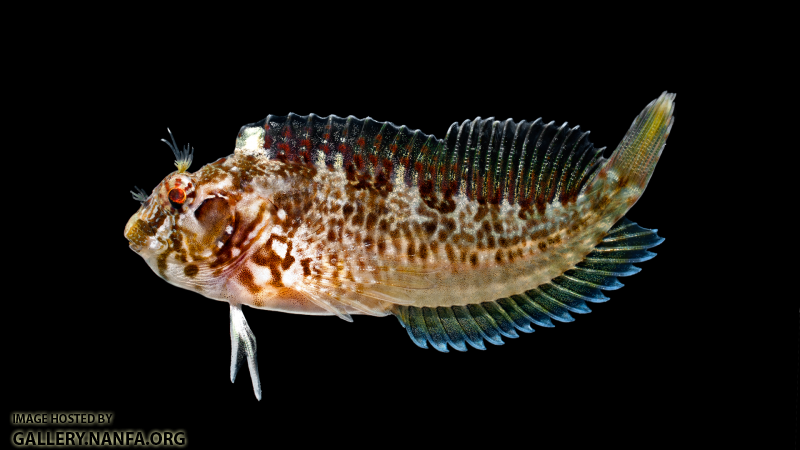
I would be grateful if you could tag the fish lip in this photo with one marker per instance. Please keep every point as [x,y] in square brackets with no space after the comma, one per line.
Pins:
[136,247]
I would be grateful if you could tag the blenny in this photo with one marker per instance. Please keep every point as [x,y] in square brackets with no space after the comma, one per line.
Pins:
[471,238]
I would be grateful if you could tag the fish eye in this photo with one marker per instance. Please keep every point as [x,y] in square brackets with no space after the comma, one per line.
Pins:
[176,197]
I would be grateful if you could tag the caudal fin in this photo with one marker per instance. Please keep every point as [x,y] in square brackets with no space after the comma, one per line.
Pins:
[634,160]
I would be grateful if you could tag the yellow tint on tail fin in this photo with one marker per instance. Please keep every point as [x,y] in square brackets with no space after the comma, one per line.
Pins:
[634,160]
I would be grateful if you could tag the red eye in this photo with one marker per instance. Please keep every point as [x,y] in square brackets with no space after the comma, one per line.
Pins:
[177,196]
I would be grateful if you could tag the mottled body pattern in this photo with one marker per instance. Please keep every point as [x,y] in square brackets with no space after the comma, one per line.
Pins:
[495,227]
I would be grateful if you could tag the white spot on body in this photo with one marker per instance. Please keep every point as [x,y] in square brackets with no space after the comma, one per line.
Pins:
[279,248]
[229,229]
[235,252]
[253,142]
[261,275]
[281,214]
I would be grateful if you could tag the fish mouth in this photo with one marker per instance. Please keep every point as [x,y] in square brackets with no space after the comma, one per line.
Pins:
[133,244]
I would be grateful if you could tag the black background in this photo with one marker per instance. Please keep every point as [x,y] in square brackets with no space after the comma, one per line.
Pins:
[660,363]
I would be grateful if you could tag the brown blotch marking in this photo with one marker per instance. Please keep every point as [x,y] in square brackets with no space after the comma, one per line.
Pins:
[446,204]
[542,246]
[245,278]
[191,270]
[451,255]
[502,242]
[305,263]
[410,250]
[538,234]
[481,213]
[331,235]
[347,210]
[423,250]
[372,219]
[358,218]
[498,256]
[417,229]
[381,247]
[383,226]
[467,237]
[490,241]
[486,227]
[368,242]
[288,260]
[266,256]
[430,228]
[498,227]
[473,259]
[434,247]
[510,254]
[162,263]
[449,224]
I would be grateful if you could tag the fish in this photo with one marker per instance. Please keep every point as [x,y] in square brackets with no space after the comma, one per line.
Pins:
[468,239]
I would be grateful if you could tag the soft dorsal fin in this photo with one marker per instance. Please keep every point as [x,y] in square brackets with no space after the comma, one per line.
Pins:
[526,163]
[626,243]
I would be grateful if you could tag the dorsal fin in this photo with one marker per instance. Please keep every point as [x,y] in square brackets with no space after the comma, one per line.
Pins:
[626,243]
[526,163]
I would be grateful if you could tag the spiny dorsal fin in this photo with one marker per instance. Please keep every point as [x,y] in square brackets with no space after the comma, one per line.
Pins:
[626,243]
[526,163]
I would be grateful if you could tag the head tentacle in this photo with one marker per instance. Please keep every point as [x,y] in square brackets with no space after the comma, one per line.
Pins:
[183,158]
[140,195]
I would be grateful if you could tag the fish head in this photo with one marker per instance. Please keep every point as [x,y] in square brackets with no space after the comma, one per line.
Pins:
[173,208]
[195,230]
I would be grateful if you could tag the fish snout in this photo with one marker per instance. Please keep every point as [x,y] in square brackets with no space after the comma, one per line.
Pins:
[135,232]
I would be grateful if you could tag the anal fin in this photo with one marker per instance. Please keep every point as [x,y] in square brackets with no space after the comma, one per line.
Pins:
[625,243]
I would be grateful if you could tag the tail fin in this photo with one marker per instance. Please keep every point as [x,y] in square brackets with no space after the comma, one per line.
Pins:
[634,160]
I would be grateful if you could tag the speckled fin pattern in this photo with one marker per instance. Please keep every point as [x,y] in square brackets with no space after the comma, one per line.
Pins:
[526,163]
[625,244]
